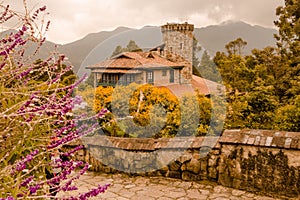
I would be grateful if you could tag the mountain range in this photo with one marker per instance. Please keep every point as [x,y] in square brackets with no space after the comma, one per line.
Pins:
[95,47]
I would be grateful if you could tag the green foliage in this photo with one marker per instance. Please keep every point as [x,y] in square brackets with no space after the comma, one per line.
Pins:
[263,88]
[117,50]
[131,47]
[196,49]
[148,111]
[288,116]
[205,116]
[237,111]
[90,80]
[235,47]
[67,78]
[236,74]
[196,62]
[207,68]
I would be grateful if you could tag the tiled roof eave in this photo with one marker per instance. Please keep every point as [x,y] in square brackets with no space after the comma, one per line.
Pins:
[137,67]
[107,67]
[160,67]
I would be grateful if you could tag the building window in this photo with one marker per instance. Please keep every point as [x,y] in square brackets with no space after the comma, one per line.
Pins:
[171,75]
[131,78]
[164,72]
[149,76]
[127,79]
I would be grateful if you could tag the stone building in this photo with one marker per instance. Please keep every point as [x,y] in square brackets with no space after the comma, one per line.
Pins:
[168,65]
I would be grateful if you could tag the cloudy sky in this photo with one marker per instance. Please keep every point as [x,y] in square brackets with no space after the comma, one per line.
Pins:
[73,19]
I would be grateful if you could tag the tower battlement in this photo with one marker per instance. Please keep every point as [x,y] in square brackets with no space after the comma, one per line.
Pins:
[184,28]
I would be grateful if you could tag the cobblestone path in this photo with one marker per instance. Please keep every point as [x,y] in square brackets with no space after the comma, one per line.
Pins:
[124,187]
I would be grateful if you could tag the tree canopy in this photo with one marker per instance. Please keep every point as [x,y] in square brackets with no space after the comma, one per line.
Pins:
[263,87]
[131,47]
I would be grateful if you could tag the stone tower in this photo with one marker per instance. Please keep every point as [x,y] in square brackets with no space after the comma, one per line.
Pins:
[178,40]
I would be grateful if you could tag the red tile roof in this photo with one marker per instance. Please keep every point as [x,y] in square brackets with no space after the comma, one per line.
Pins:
[130,60]
[202,85]
[205,86]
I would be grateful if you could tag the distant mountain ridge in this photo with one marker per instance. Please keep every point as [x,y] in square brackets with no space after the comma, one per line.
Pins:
[214,38]
[95,47]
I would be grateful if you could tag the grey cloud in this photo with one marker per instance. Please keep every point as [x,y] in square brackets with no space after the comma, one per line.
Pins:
[257,11]
[72,19]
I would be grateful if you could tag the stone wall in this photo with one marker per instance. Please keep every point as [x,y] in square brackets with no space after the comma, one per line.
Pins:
[254,160]
[260,161]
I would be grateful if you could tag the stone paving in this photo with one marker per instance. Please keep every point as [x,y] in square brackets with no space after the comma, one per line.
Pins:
[124,187]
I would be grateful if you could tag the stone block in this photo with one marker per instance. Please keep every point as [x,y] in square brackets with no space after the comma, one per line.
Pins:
[225,180]
[106,169]
[294,143]
[278,142]
[245,139]
[165,168]
[215,152]
[175,174]
[174,166]
[183,167]
[188,176]
[288,143]
[262,141]
[269,141]
[212,161]
[212,172]
[251,140]
[185,158]
[203,165]
[196,155]
[257,140]
[193,166]
[236,183]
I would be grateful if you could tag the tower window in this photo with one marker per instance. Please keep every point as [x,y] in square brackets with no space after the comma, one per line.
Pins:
[164,72]
[181,46]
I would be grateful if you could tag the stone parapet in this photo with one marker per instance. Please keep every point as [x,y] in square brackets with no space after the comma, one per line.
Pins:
[262,138]
[260,161]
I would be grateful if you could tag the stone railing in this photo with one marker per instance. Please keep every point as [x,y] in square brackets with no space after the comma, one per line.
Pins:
[254,160]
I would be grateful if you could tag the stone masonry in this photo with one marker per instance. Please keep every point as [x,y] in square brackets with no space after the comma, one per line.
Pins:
[259,161]
[178,40]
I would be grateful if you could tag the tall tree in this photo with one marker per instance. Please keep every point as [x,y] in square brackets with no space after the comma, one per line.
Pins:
[288,39]
[271,98]
[196,62]
[132,46]
[288,42]
[208,68]
[235,73]
[117,51]
[236,46]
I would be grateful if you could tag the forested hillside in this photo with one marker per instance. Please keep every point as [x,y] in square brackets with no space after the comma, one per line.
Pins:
[264,87]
